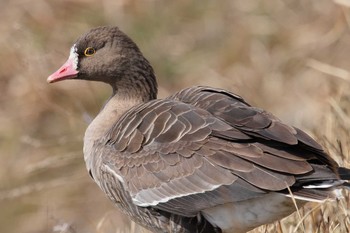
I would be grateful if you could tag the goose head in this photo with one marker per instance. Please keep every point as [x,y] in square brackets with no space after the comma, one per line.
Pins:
[108,55]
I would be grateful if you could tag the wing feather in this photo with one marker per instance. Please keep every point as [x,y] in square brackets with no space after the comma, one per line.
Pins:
[204,147]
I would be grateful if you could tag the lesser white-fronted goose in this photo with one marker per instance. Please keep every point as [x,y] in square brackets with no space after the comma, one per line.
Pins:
[201,160]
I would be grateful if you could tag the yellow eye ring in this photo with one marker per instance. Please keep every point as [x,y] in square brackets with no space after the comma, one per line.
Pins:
[89,51]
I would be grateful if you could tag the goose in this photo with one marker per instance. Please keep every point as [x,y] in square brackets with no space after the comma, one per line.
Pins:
[200,160]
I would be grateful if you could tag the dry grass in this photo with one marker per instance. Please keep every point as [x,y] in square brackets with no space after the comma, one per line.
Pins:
[288,56]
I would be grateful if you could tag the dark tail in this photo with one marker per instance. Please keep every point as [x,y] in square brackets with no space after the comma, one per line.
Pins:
[344,173]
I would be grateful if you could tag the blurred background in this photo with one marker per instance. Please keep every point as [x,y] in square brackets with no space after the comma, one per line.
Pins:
[290,57]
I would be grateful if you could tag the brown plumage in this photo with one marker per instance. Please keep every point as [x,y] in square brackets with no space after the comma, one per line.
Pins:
[201,160]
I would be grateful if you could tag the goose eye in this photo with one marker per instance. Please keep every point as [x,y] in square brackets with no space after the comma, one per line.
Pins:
[89,51]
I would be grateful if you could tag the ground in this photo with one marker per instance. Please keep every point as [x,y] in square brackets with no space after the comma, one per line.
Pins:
[290,57]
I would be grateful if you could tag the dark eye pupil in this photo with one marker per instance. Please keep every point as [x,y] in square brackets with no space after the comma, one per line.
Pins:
[89,51]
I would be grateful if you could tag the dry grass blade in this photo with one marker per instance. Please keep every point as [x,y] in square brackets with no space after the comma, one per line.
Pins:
[345,3]
[328,69]
[301,221]
[35,187]
[297,210]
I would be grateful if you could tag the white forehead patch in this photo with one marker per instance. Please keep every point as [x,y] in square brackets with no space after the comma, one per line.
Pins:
[73,55]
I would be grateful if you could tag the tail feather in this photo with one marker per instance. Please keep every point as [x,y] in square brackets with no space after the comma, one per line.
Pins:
[344,173]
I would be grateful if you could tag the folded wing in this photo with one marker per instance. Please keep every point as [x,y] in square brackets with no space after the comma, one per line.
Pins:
[203,147]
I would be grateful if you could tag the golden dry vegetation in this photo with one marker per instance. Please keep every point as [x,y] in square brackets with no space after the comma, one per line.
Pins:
[290,57]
